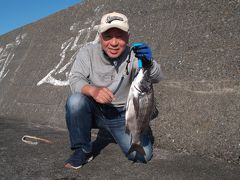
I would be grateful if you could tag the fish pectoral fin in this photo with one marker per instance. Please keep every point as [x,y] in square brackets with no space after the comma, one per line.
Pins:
[138,148]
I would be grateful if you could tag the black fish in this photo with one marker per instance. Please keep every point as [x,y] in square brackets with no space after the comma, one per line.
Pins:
[140,105]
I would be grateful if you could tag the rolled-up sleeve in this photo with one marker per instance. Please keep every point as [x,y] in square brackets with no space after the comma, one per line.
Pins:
[80,71]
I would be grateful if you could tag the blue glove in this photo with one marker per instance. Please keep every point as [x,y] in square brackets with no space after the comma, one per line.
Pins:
[142,51]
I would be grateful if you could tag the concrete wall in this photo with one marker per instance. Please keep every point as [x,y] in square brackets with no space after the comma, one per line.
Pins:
[197,43]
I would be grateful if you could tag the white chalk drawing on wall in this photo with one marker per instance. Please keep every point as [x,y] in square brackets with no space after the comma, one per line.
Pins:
[7,54]
[71,46]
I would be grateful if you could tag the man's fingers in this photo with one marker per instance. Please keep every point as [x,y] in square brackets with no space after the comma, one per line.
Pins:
[107,95]
[109,92]
[104,96]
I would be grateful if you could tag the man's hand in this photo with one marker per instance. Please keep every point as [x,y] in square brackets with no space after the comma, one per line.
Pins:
[143,51]
[101,95]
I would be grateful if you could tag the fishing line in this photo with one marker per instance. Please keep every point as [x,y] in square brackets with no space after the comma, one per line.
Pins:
[126,71]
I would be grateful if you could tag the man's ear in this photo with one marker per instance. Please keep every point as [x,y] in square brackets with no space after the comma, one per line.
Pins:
[128,37]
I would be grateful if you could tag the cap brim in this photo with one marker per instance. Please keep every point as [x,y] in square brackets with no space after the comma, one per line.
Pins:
[105,28]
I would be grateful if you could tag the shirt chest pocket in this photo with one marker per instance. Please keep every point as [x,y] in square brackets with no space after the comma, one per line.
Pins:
[107,78]
[103,79]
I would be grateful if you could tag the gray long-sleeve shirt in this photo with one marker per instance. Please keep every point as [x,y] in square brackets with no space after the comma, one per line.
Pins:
[93,67]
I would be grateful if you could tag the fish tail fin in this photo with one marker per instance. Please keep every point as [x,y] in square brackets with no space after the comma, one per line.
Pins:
[138,148]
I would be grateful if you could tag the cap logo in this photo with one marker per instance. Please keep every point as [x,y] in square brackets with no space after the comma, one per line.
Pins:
[113,18]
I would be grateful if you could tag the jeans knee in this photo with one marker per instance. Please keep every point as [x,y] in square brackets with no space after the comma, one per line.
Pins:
[148,156]
[75,102]
[137,157]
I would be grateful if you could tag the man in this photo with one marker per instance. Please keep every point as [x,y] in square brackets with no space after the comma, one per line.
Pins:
[100,79]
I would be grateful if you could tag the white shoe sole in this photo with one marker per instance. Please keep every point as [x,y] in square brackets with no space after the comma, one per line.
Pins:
[78,167]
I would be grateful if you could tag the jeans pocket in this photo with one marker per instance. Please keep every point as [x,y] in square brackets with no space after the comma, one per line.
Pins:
[114,116]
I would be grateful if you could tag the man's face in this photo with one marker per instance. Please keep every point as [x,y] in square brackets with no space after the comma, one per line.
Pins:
[114,42]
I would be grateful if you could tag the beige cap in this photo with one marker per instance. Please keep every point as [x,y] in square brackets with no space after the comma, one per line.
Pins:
[113,20]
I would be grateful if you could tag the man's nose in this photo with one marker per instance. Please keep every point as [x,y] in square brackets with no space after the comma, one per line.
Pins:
[114,41]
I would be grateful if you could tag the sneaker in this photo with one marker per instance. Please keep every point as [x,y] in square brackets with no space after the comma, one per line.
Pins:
[78,159]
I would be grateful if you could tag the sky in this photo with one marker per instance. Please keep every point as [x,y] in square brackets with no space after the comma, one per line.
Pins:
[17,13]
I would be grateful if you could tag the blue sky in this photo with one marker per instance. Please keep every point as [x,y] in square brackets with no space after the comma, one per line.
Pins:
[17,13]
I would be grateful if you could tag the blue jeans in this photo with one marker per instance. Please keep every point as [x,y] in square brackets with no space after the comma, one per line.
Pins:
[83,113]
